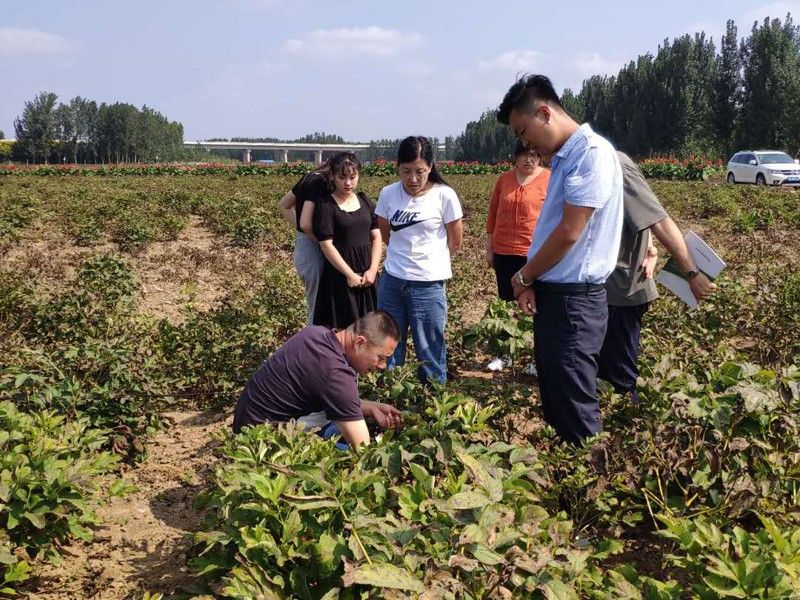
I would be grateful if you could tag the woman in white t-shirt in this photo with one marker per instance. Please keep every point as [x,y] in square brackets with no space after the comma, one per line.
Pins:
[420,221]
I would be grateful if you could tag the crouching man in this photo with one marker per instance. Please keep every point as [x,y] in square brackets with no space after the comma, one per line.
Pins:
[313,378]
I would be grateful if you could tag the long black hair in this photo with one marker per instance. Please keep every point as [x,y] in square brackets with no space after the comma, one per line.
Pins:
[417,146]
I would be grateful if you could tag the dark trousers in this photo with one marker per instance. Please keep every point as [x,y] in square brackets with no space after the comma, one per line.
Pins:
[568,332]
[505,265]
[620,351]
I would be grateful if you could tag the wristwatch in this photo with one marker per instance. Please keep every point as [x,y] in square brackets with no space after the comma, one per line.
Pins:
[689,275]
[521,280]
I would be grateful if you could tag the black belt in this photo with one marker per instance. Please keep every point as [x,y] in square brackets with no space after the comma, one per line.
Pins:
[542,287]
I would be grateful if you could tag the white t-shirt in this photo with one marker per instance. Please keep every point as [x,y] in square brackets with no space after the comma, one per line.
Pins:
[418,242]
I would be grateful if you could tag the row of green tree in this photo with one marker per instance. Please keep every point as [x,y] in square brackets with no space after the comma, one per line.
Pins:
[83,131]
[686,99]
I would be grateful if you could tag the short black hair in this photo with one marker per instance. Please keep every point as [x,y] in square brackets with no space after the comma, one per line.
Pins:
[376,326]
[525,91]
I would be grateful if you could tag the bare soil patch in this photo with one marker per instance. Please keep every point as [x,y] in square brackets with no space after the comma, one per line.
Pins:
[197,269]
[143,539]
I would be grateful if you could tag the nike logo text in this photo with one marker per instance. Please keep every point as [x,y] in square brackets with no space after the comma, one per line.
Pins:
[404,218]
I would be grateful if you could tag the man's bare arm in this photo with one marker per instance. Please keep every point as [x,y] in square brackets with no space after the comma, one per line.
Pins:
[354,433]
[667,232]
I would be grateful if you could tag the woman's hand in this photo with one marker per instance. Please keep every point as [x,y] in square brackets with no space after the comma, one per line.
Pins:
[355,280]
[369,277]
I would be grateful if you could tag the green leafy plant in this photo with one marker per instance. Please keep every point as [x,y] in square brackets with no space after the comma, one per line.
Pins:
[46,469]
[502,330]
[737,564]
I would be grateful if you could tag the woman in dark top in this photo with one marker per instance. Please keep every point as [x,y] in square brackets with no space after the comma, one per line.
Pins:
[308,259]
[348,234]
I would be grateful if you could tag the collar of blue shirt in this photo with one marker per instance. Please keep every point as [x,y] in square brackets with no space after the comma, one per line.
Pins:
[584,130]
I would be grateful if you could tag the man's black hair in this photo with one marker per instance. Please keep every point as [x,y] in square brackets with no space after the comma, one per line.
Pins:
[526,91]
[376,326]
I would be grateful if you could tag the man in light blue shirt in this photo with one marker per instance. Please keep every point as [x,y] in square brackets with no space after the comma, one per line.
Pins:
[575,248]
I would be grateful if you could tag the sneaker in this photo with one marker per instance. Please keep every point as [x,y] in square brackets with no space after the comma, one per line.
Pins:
[530,369]
[499,363]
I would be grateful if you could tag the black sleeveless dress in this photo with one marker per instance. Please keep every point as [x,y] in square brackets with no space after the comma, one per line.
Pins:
[338,305]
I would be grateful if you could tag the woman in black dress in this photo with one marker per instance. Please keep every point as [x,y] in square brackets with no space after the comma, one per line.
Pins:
[348,234]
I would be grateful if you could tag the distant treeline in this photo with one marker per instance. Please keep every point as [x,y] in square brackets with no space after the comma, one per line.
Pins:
[687,99]
[81,131]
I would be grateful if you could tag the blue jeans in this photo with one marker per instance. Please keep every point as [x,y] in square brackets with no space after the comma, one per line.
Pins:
[330,430]
[422,306]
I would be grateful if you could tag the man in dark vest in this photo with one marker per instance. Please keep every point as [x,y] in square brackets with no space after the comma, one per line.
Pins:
[313,379]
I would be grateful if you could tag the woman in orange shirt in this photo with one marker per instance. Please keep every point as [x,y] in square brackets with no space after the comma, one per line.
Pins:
[516,203]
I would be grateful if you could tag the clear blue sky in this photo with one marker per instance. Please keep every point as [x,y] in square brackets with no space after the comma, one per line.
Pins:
[363,70]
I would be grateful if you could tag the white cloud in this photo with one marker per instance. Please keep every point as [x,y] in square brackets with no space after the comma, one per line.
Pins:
[240,82]
[270,68]
[21,42]
[514,60]
[372,41]
[416,69]
[592,63]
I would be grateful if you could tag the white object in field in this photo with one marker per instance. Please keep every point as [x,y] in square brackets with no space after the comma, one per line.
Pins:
[499,363]
[530,369]
[707,261]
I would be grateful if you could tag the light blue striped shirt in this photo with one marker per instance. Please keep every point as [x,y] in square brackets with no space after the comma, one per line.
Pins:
[585,172]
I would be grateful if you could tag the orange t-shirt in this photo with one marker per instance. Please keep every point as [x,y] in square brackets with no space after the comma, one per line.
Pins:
[514,211]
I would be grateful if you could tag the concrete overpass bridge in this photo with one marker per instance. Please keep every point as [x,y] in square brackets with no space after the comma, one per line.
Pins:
[281,149]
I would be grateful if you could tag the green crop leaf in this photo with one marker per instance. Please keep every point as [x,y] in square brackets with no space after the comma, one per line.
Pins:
[557,590]
[310,502]
[487,556]
[468,499]
[121,488]
[381,576]
[36,519]
[481,476]
[291,527]
[422,476]
[6,558]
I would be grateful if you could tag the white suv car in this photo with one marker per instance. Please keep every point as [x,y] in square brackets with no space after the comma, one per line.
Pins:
[763,167]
